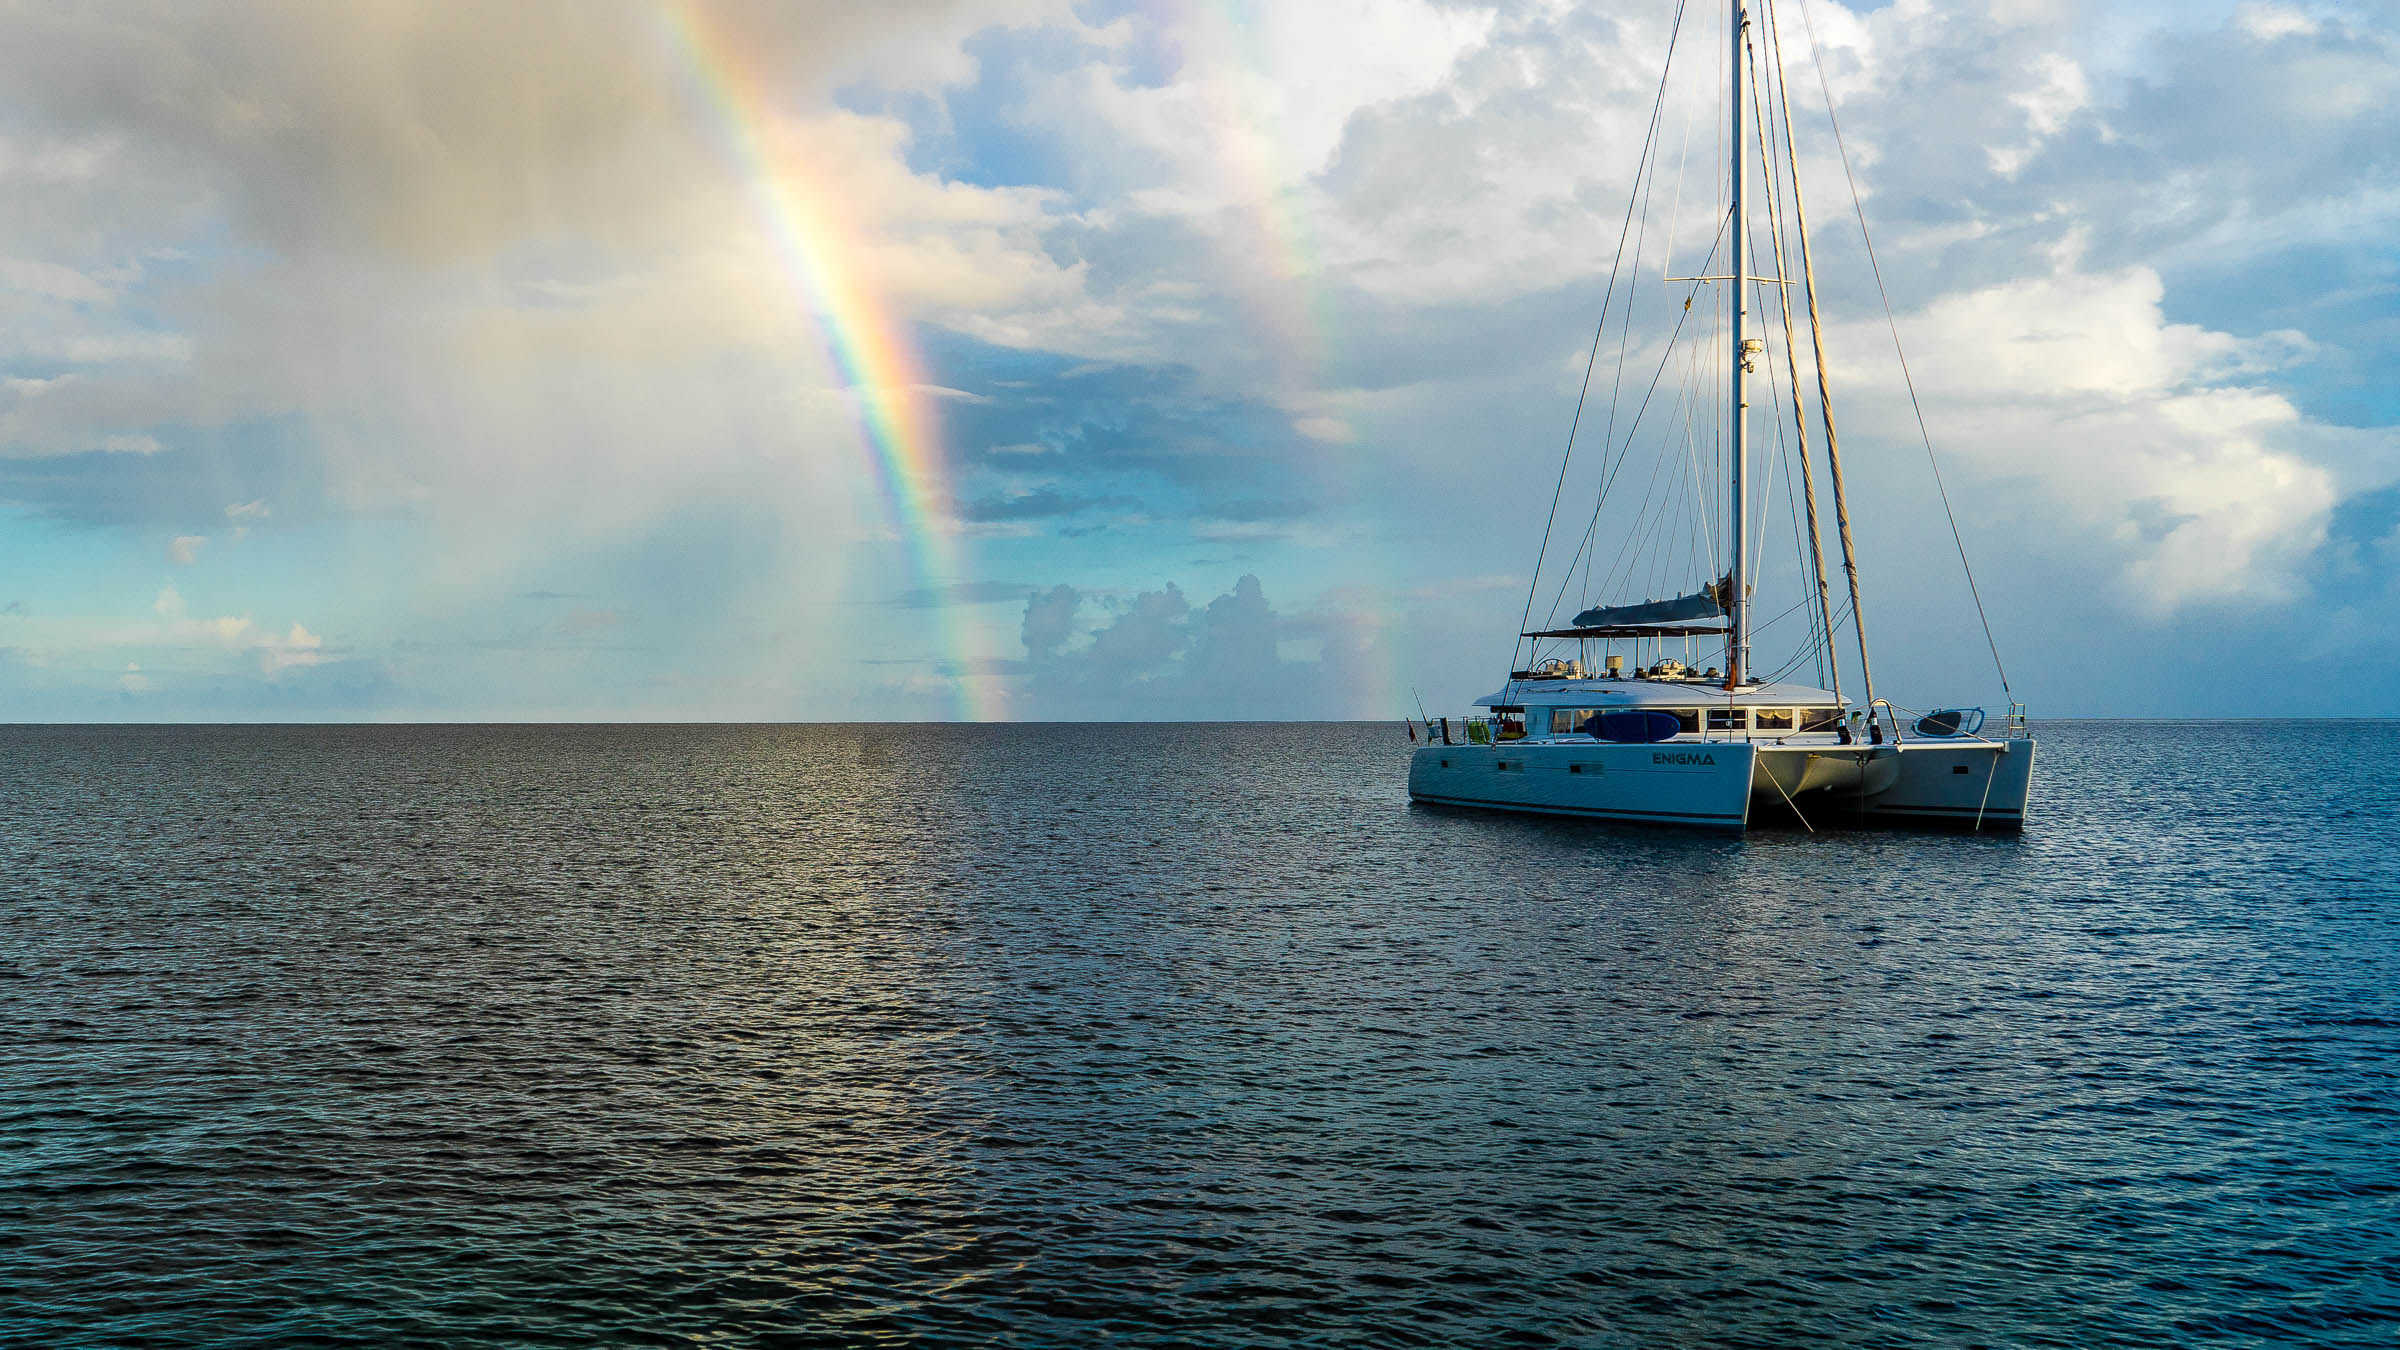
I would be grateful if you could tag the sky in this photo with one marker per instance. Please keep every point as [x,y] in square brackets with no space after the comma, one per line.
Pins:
[1093,359]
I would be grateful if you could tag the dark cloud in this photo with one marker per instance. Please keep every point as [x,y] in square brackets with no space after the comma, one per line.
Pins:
[1145,636]
[1049,621]
[2155,519]
[1158,656]
[424,133]
[1112,434]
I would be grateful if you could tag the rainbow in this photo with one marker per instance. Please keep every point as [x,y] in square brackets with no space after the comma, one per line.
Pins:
[867,344]
[1284,295]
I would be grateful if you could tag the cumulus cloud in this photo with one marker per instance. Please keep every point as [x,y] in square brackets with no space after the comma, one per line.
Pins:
[278,652]
[2197,485]
[1049,622]
[178,630]
[1157,655]
[503,273]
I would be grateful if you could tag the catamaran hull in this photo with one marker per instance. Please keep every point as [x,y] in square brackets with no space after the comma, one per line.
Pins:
[1716,785]
[1970,784]
[1670,783]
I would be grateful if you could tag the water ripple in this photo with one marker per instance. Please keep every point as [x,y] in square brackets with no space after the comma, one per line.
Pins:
[1176,1036]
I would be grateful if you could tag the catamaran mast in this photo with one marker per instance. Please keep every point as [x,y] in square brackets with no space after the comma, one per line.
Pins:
[1737,647]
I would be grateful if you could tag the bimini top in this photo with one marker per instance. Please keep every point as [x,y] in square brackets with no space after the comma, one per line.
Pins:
[1695,615]
[1634,630]
[1685,614]
[1645,692]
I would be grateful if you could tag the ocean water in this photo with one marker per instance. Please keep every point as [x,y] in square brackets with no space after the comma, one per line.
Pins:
[1177,1035]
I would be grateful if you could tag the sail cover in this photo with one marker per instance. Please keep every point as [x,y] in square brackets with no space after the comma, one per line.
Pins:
[1705,603]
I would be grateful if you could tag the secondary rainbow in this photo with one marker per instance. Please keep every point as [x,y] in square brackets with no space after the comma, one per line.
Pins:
[1274,249]
[866,343]
[1236,82]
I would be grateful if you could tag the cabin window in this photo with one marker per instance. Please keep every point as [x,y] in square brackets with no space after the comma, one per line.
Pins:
[1820,719]
[1686,719]
[1509,723]
[1569,721]
[1726,719]
[1771,719]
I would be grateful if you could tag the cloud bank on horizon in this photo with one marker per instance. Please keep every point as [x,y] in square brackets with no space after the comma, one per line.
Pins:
[1101,359]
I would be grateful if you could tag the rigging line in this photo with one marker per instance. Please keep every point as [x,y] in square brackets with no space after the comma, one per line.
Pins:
[1787,668]
[1817,642]
[1766,500]
[1591,538]
[1830,662]
[1814,646]
[1640,413]
[1650,525]
[1785,671]
[1621,565]
[1719,353]
[1702,539]
[1610,443]
[1646,539]
[1610,579]
[1906,378]
[1650,152]
[1781,615]
[1676,524]
[1793,663]
[1699,541]
[1643,518]
[1533,585]
[1641,239]
[1780,467]
[1791,503]
[1816,342]
[1683,158]
[1647,168]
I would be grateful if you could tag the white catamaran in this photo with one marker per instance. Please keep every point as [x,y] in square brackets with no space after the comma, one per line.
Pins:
[1575,731]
